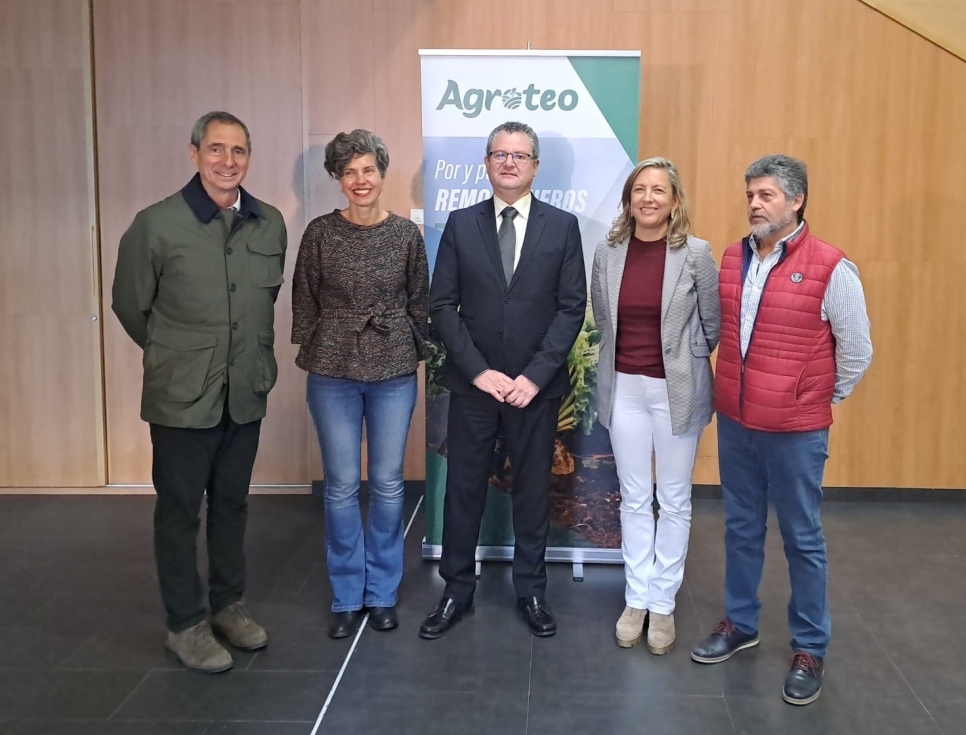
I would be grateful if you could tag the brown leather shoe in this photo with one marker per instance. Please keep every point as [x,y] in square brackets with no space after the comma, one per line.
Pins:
[235,624]
[197,649]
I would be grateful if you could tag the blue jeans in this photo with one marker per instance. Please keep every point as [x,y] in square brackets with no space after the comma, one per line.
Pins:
[788,468]
[365,568]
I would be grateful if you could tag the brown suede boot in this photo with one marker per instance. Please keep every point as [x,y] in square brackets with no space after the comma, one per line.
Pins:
[630,627]
[660,633]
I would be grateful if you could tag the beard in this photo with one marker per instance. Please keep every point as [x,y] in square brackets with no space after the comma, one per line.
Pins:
[764,229]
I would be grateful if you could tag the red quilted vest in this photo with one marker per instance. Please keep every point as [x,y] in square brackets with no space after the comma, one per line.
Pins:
[788,375]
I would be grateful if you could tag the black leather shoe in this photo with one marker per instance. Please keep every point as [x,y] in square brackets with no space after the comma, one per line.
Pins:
[344,624]
[537,615]
[723,643]
[383,618]
[443,617]
[803,685]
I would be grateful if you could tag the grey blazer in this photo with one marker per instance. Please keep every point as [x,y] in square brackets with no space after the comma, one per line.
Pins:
[690,327]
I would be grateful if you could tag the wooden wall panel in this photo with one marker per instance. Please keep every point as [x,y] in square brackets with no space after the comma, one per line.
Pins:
[160,64]
[51,401]
[369,63]
[941,21]
[875,111]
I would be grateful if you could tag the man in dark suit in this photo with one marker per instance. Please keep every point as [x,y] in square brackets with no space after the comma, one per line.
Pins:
[508,298]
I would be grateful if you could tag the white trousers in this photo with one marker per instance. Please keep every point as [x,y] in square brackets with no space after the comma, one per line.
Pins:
[653,553]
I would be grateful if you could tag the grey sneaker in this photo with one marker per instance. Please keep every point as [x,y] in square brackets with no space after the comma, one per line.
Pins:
[237,626]
[197,649]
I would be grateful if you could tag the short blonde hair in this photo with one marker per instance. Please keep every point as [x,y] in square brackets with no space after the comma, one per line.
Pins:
[679,223]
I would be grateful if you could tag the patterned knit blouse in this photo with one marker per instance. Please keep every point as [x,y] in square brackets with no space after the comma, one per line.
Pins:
[360,298]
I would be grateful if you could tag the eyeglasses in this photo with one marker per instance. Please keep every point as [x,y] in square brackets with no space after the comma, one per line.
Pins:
[501,156]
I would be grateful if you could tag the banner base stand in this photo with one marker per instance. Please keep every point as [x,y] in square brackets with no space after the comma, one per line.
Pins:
[574,555]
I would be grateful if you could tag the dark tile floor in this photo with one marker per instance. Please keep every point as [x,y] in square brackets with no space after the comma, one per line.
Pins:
[81,637]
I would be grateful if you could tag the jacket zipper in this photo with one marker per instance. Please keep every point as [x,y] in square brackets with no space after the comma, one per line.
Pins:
[741,388]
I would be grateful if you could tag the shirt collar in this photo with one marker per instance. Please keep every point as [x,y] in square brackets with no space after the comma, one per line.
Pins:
[205,209]
[522,205]
[780,245]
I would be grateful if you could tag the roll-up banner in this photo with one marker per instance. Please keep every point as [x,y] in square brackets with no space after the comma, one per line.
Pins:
[583,106]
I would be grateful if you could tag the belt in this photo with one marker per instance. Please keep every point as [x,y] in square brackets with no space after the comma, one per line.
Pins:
[375,316]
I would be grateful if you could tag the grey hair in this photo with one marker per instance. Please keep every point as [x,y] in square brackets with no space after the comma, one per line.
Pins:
[515,127]
[790,173]
[226,118]
[346,146]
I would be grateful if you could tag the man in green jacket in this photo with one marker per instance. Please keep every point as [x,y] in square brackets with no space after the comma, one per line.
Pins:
[195,287]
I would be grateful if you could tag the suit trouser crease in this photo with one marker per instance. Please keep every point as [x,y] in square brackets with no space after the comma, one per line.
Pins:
[474,423]
[786,468]
[188,465]
[365,565]
[654,551]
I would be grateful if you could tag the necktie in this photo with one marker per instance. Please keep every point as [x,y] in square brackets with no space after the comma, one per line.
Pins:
[508,242]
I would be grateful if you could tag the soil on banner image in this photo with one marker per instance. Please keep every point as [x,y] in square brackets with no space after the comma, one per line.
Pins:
[584,489]
[587,501]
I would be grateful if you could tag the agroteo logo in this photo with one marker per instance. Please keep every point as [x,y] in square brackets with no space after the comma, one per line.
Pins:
[474,101]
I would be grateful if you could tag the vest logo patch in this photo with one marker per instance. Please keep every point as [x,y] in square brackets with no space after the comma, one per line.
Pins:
[797,277]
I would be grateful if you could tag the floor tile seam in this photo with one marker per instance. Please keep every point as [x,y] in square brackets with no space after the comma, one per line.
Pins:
[694,606]
[329,670]
[233,722]
[79,670]
[526,728]
[845,595]
[129,695]
[420,691]
[731,719]
[251,661]
[151,720]
[362,629]
[101,720]
[639,693]
[902,676]
[305,581]
[938,727]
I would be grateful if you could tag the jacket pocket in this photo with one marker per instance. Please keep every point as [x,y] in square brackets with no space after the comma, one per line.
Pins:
[699,348]
[176,363]
[267,366]
[800,384]
[265,264]
[699,343]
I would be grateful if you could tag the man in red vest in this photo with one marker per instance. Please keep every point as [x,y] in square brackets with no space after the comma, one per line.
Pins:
[794,340]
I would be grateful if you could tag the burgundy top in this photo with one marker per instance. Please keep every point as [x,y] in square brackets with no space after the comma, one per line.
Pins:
[639,310]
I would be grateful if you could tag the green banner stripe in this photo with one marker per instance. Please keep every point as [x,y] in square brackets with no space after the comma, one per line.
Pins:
[615,85]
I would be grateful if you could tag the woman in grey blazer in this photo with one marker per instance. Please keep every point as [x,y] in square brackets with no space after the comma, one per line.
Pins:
[654,292]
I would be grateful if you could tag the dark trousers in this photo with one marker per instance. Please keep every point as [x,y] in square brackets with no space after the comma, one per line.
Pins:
[473,425]
[188,463]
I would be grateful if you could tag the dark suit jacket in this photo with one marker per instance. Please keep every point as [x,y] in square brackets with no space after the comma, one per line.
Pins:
[526,327]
